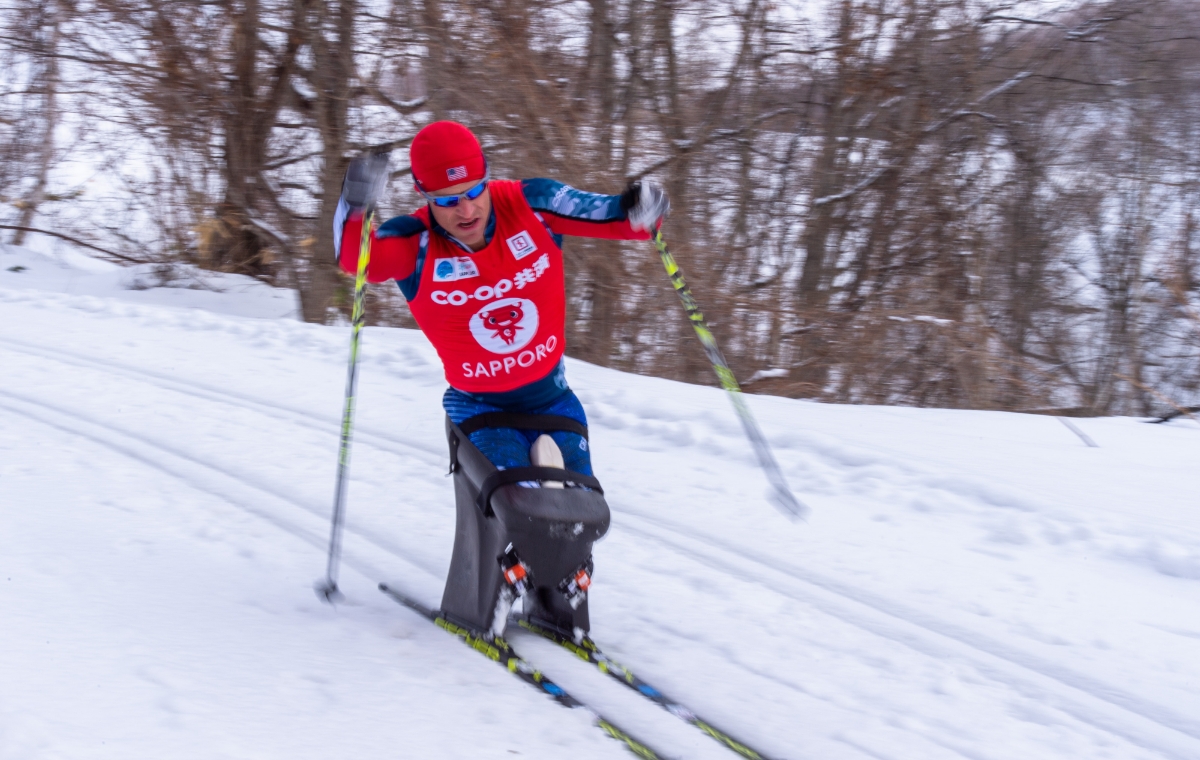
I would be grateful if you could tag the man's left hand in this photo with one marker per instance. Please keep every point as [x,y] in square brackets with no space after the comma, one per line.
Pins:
[646,204]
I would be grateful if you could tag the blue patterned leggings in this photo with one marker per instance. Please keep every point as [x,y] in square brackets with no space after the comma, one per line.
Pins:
[506,447]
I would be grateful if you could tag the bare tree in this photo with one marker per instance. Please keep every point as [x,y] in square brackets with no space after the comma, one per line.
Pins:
[31,107]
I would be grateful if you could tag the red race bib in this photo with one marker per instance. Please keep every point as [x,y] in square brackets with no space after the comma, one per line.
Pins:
[497,317]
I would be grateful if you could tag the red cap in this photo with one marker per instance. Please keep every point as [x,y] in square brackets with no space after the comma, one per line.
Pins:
[445,153]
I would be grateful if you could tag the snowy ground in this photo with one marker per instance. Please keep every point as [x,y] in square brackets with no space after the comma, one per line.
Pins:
[970,585]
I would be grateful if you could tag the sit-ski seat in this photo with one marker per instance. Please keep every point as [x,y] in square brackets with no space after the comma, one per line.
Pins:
[550,530]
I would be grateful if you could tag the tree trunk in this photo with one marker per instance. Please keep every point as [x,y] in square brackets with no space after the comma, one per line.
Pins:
[333,72]
[46,47]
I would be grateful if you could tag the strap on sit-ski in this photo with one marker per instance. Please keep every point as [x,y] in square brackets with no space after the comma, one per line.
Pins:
[521,421]
[518,421]
[519,474]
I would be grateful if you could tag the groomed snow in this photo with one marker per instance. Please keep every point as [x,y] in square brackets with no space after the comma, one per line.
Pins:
[970,584]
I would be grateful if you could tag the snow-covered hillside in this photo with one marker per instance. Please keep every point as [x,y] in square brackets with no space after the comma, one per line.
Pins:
[970,585]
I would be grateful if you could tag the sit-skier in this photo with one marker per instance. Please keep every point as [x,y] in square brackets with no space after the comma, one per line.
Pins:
[481,266]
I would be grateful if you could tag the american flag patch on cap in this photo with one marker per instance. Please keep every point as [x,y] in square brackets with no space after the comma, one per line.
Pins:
[457,174]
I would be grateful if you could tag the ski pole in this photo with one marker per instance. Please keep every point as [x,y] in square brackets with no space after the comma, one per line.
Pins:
[781,495]
[327,589]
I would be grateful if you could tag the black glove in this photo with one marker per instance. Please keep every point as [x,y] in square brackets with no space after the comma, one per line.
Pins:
[645,204]
[365,179]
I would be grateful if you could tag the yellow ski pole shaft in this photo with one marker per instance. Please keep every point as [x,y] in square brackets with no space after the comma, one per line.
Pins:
[781,495]
[328,588]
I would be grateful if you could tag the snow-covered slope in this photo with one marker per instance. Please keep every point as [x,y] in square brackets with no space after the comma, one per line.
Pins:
[970,584]
[68,271]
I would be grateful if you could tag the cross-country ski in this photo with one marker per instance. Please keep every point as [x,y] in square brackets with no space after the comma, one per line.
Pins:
[587,650]
[497,649]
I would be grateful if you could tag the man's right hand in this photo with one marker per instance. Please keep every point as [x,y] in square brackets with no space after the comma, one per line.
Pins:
[365,179]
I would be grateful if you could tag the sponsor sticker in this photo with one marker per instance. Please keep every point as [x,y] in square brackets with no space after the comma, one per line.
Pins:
[450,270]
[521,245]
[483,293]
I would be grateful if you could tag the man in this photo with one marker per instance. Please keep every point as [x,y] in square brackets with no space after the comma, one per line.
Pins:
[481,266]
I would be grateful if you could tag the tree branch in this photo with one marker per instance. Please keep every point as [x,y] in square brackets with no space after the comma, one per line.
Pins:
[70,239]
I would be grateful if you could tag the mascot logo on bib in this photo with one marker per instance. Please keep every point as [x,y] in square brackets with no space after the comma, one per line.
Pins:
[506,325]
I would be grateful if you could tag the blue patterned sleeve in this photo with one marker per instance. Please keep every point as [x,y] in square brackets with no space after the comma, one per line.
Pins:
[570,211]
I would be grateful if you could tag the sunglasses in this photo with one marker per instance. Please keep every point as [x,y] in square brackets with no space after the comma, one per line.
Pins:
[450,201]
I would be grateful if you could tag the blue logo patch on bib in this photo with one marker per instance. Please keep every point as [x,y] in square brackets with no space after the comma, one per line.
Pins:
[458,268]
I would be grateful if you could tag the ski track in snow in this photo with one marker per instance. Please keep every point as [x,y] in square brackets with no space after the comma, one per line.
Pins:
[233,489]
[792,581]
[177,691]
[1002,663]
[158,453]
[199,391]
[380,440]
[392,445]
[1103,707]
